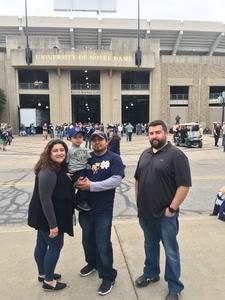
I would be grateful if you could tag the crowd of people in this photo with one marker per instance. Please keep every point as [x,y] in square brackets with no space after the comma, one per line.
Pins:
[61,130]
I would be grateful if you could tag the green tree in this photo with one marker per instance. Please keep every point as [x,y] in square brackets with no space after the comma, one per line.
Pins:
[2,99]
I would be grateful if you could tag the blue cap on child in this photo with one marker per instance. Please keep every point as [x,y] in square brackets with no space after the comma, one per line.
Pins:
[74,131]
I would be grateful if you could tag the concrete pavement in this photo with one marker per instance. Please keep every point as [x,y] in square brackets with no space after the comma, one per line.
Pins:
[202,245]
[201,237]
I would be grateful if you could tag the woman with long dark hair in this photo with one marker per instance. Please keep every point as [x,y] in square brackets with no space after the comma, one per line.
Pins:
[51,211]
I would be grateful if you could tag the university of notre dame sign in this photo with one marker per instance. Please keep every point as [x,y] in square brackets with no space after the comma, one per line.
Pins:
[98,58]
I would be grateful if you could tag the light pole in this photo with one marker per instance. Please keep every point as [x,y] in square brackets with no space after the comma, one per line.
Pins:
[28,51]
[221,99]
[138,54]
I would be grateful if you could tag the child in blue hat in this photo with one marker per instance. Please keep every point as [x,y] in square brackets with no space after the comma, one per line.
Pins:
[77,164]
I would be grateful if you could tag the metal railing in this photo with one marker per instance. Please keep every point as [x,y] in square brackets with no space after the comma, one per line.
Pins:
[135,86]
[178,102]
[39,85]
[85,86]
[178,96]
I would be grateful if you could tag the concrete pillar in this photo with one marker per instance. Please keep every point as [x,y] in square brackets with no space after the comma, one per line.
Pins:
[4,115]
[116,97]
[195,95]
[110,96]
[11,90]
[155,107]
[60,96]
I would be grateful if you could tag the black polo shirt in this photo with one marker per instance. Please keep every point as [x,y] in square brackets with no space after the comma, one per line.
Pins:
[159,175]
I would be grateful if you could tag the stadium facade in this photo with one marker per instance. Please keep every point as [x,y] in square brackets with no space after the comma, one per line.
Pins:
[83,69]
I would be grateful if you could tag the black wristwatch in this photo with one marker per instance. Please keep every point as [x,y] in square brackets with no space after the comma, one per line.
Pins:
[172,210]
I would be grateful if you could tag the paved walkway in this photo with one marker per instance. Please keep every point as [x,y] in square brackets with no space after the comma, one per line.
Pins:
[201,238]
[202,245]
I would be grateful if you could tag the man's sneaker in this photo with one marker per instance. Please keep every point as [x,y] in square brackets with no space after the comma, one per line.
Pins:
[172,296]
[105,287]
[143,281]
[87,270]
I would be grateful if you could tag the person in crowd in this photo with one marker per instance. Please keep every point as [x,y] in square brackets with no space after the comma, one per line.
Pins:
[162,181]
[4,138]
[216,134]
[114,143]
[177,119]
[223,132]
[22,130]
[45,131]
[120,130]
[106,174]
[51,130]
[36,83]
[183,133]
[32,129]
[88,132]
[138,128]
[9,129]
[129,131]
[51,211]
[77,164]
[219,206]
[175,131]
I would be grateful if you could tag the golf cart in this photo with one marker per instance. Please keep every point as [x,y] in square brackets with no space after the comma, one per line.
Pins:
[188,135]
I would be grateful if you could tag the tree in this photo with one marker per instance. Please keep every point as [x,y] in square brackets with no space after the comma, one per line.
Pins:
[2,99]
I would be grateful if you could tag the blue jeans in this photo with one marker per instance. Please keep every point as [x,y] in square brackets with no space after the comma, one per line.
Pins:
[96,240]
[163,229]
[46,253]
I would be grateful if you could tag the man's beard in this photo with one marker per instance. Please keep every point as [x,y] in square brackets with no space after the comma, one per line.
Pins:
[157,144]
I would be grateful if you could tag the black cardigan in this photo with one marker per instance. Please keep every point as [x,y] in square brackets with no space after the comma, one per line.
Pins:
[62,198]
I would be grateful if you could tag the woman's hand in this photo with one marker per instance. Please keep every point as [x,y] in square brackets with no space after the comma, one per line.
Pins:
[53,232]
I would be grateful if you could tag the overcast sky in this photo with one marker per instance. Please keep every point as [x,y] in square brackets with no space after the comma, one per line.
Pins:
[203,10]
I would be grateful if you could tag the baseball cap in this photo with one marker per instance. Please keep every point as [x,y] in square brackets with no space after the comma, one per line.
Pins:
[74,131]
[100,134]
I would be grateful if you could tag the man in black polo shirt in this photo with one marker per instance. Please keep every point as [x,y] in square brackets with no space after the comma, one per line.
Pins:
[162,182]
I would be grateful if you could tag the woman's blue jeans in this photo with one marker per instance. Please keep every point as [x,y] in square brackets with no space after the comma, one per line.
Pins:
[163,229]
[46,253]
[96,240]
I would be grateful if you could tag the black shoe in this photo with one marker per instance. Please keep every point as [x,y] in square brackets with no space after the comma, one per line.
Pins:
[55,276]
[87,270]
[212,214]
[83,206]
[105,287]
[172,296]
[59,286]
[143,281]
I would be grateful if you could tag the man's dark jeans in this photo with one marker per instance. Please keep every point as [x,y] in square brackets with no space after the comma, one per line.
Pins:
[96,240]
[164,229]
[47,253]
